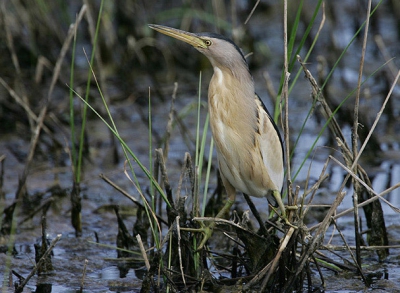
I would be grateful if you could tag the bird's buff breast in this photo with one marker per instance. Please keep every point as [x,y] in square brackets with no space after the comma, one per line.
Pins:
[233,119]
[234,143]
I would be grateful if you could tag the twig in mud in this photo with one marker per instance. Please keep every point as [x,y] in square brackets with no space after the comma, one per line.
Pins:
[375,197]
[233,240]
[20,287]
[127,195]
[143,251]
[179,249]
[164,175]
[366,248]
[252,11]
[10,278]
[172,210]
[257,278]
[186,169]
[305,187]
[41,248]
[167,236]
[275,261]
[42,62]
[285,99]
[313,189]
[356,259]
[321,275]
[170,122]
[354,166]
[333,230]
[333,264]
[83,275]
[270,267]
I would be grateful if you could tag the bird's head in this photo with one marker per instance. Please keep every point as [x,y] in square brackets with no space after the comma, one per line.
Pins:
[221,51]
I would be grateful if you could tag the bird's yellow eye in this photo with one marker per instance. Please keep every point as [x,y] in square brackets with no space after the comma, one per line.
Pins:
[208,43]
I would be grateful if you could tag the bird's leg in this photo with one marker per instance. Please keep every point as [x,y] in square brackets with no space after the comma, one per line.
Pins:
[208,230]
[253,209]
[284,216]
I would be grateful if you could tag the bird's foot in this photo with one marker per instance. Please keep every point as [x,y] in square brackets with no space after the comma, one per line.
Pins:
[290,208]
[284,215]
[207,231]
[287,222]
[281,206]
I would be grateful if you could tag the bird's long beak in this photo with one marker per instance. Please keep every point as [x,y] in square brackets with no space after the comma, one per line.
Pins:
[186,37]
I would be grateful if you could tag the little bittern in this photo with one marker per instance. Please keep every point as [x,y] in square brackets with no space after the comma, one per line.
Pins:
[248,142]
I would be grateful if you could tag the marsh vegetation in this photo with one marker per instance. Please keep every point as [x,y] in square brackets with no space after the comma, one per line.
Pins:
[106,158]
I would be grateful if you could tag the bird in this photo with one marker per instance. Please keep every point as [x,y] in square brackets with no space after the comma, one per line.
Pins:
[250,149]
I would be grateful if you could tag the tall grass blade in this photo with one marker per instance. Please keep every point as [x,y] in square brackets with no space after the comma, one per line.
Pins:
[207,177]
[71,104]
[84,114]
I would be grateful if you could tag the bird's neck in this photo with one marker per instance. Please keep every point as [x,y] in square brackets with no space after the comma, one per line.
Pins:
[234,83]
[231,99]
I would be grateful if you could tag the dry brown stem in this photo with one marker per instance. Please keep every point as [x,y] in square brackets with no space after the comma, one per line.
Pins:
[127,195]
[170,122]
[83,275]
[20,288]
[275,261]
